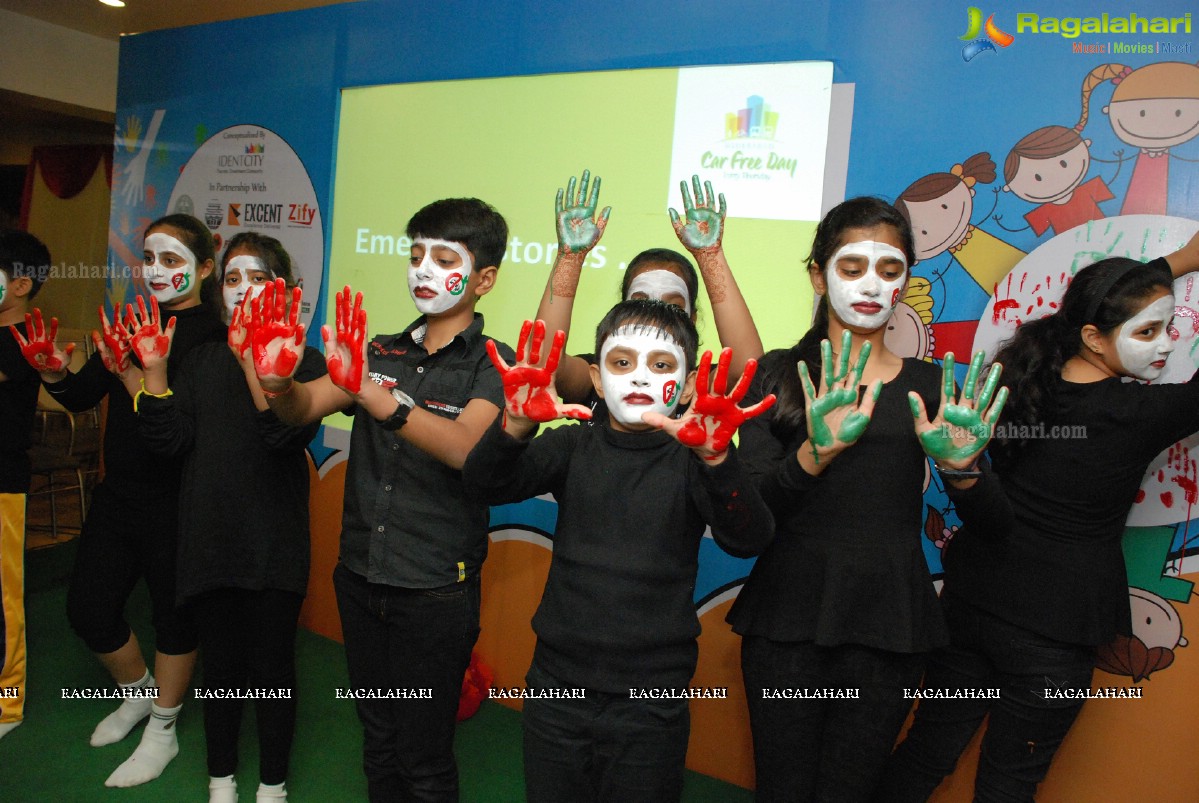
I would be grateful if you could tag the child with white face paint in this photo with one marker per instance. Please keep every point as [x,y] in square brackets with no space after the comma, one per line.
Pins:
[633,503]
[131,528]
[656,273]
[865,282]
[252,261]
[438,274]
[1035,578]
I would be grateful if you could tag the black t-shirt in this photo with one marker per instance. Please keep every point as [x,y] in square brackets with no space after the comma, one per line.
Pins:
[18,407]
[847,564]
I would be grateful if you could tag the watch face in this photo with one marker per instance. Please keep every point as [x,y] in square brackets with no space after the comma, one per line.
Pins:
[403,398]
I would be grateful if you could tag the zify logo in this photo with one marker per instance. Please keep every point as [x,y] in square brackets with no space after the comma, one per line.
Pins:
[974,26]
[756,121]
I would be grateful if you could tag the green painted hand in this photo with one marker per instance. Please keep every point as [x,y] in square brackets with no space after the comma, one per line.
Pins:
[962,429]
[835,418]
[578,227]
[705,224]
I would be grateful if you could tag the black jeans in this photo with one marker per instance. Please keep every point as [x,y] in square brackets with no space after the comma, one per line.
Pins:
[606,747]
[1027,724]
[248,641]
[411,639]
[823,749]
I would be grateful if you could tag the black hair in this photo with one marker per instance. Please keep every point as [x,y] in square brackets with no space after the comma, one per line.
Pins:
[272,253]
[1105,295]
[650,312]
[469,221]
[779,367]
[199,240]
[690,277]
[23,255]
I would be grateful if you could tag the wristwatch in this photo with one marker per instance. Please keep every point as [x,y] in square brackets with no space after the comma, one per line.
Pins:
[399,418]
[959,474]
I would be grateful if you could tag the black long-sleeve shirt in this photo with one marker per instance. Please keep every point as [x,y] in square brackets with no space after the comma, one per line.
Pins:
[131,471]
[847,565]
[1040,543]
[618,610]
[18,406]
[243,501]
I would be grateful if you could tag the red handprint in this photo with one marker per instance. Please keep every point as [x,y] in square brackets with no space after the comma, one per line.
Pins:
[1180,461]
[709,424]
[241,326]
[150,341]
[529,390]
[345,351]
[40,350]
[112,341]
[275,334]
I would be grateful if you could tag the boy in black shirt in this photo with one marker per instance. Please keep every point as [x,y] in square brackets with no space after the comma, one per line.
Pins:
[24,265]
[413,541]
[617,621]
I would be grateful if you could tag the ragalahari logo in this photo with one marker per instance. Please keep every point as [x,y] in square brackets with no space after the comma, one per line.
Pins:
[756,121]
[976,44]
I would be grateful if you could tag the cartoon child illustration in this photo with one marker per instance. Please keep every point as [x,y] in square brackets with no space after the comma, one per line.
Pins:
[908,329]
[939,207]
[1154,108]
[1156,631]
[1047,168]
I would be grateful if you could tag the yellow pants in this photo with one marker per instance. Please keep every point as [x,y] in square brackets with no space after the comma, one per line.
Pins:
[12,594]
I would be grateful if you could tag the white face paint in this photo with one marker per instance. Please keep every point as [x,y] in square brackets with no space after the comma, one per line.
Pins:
[638,378]
[659,284]
[867,300]
[169,268]
[435,288]
[1146,359]
[243,274]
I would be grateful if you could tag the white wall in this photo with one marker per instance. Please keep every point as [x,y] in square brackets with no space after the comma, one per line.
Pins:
[49,61]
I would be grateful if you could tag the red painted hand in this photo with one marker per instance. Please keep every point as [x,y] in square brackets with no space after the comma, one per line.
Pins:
[345,349]
[710,422]
[275,334]
[150,341]
[40,350]
[112,342]
[241,326]
[528,389]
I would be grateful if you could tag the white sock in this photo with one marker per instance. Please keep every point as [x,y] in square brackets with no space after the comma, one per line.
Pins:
[222,790]
[116,726]
[271,793]
[158,746]
[6,727]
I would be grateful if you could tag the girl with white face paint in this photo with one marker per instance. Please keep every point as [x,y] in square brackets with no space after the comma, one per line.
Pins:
[842,598]
[1035,579]
[657,273]
[252,261]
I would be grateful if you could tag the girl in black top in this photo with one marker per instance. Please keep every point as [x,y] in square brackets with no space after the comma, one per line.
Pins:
[841,604]
[243,505]
[1035,580]
[130,529]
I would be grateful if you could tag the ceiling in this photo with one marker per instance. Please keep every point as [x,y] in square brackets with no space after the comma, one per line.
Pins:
[91,16]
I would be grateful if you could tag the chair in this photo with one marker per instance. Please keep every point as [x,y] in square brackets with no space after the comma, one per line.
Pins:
[47,461]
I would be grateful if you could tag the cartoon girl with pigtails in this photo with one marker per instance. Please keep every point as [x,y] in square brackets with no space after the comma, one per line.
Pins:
[1154,108]
[939,207]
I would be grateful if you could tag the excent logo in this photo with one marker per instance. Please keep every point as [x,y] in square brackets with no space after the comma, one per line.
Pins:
[1072,27]
[263,213]
[234,218]
[974,25]
[755,121]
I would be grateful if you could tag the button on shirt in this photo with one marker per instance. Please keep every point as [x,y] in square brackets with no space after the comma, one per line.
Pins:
[408,521]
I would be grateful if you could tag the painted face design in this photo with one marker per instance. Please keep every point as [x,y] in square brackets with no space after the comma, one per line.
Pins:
[1144,341]
[169,268]
[642,370]
[3,286]
[662,285]
[865,281]
[243,274]
[437,281]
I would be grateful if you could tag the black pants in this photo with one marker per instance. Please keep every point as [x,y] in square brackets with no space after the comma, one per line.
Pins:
[248,641]
[829,749]
[118,546]
[408,639]
[605,747]
[1028,721]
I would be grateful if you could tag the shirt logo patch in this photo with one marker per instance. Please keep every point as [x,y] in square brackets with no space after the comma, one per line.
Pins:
[432,404]
[383,379]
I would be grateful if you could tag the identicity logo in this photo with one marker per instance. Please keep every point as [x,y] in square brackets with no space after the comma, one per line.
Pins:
[257,147]
[976,44]
[755,121]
